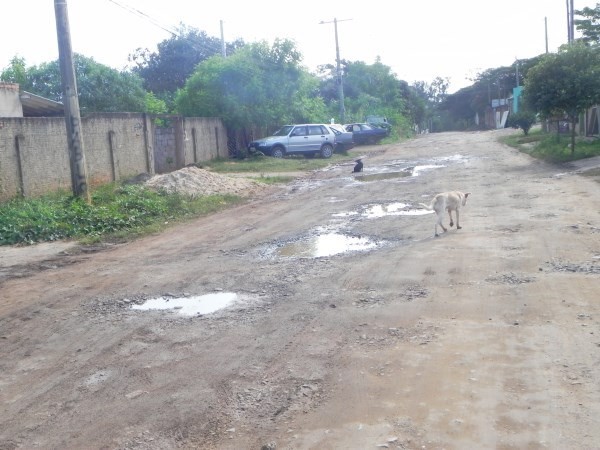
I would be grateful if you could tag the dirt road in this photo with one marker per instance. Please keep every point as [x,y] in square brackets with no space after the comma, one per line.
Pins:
[349,325]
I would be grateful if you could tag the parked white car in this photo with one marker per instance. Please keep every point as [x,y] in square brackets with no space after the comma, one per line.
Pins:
[307,139]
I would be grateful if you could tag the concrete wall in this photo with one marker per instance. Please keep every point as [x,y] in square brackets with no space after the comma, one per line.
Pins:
[34,156]
[10,102]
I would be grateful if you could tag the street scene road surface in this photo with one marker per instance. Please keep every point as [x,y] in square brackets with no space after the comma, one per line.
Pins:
[323,314]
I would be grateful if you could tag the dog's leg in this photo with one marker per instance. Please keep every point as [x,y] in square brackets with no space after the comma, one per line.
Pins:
[450,214]
[458,227]
[439,222]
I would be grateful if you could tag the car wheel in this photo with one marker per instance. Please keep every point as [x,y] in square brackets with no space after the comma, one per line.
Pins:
[278,152]
[326,151]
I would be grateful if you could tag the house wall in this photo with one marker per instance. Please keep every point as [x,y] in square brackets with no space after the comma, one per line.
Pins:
[34,156]
[10,103]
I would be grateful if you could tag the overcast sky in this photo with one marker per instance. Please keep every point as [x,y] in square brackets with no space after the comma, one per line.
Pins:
[420,40]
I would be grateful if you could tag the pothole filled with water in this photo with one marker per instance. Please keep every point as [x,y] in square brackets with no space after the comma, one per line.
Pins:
[327,244]
[385,210]
[190,306]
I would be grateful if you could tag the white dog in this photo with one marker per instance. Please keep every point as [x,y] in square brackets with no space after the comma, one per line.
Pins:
[447,201]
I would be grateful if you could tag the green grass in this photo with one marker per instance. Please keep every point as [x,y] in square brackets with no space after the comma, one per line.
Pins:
[116,212]
[552,148]
[121,212]
[267,164]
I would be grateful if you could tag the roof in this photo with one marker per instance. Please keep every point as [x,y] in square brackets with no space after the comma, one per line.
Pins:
[36,106]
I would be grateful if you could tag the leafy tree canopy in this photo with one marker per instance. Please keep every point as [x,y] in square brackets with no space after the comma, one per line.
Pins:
[100,88]
[565,83]
[167,69]
[369,89]
[259,87]
[589,24]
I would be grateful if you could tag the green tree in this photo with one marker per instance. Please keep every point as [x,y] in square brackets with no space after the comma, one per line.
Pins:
[257,89]
[434,94]
[16,72]
[589,25]
[100,88]
[369,89]
[565,84]
[523,120]
[176,58]
[463,105]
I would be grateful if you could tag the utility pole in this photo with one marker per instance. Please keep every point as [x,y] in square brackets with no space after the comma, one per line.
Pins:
[223,48]
[546,32]
[71,102]
[570,21]
[340,79]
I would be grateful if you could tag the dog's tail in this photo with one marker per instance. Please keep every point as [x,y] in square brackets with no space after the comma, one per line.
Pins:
[429,207]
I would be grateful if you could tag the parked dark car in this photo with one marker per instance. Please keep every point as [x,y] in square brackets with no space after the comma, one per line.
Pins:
[363,133]
[306,139]
[344,140]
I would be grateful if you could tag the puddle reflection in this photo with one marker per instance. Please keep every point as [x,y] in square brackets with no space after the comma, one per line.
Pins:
[393,209]
[190,306]
[384,210]
[326,245]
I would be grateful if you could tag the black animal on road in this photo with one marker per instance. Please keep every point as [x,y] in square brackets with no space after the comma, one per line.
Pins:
[358,167]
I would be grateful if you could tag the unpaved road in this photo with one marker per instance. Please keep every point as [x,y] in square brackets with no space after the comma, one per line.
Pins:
[484,338]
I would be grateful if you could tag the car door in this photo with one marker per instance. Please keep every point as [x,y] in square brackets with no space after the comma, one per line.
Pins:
[317,136]
[298,139]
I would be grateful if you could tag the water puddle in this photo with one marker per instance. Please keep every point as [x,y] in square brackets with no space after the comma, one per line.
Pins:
[385,210]
[392,209]
[418,169]
[190,306]
[413,171]
[328,244]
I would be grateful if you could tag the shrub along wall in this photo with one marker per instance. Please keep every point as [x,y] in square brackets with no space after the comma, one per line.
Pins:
[34,157]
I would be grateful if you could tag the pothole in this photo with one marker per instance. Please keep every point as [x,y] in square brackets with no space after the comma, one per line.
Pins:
[323,245]
[379,210]
[190,306]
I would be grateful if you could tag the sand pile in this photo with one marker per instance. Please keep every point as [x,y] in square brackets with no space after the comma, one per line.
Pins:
[194,182]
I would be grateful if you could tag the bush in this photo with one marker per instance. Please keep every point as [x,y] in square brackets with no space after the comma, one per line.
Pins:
[523,120]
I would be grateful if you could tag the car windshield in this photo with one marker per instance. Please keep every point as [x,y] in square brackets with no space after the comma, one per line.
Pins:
[283,131]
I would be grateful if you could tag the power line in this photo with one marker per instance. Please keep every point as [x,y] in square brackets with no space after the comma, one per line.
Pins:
[144,16]
[172,31]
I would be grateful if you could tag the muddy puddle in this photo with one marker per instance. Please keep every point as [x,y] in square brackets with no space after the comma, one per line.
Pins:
[190,306]
[387,173]
[384,210]
[324,244]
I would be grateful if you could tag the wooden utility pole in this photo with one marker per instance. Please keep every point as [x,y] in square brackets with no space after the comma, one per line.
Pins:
[71,102]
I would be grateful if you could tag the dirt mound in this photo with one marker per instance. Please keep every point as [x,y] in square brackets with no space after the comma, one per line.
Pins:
[194,182]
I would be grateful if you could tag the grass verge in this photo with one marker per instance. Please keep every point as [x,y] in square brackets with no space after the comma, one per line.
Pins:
[552,148]
[116,213]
